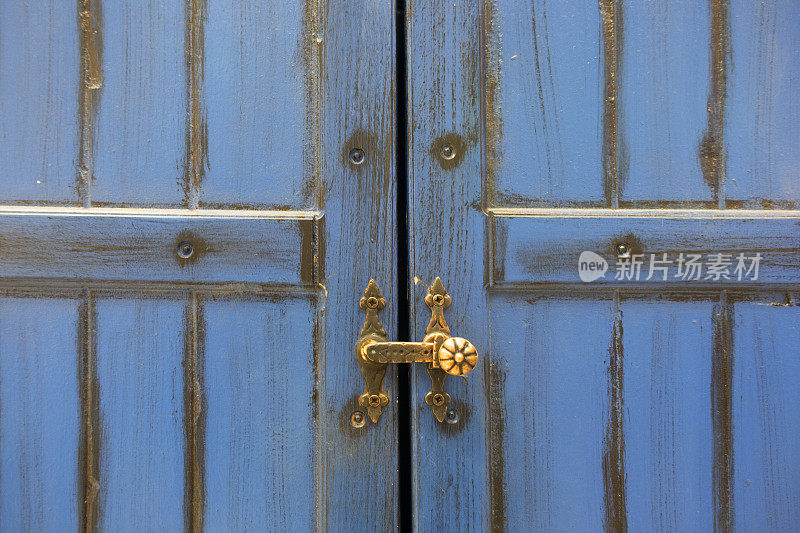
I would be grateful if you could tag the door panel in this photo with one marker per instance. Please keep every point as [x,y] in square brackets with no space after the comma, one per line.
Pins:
[544,109]
[766,383]
[40,440]
[262,127]
[138,377]
[549,385]
[39,80]
[762,108]
[252,400]
[649,403]
[138,115]
[212,386]
[663,89]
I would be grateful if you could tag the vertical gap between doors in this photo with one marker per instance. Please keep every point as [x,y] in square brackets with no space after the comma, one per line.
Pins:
[404,459]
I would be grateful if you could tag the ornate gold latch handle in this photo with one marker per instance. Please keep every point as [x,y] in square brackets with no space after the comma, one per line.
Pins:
[443,353]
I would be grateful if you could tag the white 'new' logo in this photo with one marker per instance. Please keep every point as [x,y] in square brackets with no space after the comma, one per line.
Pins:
[591,266]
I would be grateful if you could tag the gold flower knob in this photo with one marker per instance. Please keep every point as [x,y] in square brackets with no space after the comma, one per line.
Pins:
[457,356]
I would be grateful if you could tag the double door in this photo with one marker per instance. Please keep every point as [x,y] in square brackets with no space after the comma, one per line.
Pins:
[196,193]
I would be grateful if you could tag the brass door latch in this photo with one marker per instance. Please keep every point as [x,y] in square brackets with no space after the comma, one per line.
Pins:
[443,353]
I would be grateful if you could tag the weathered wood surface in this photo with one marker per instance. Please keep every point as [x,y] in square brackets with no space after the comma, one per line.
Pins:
[648,407]
[272,248]
[216,390]
[446,229]
[138,375]
[39,414]
[542,248]
[39,79]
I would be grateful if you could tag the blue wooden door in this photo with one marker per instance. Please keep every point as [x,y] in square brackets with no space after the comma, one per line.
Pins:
[646,135]
[194,194]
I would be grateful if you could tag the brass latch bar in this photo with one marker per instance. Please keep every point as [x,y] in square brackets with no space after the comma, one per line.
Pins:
[442,353]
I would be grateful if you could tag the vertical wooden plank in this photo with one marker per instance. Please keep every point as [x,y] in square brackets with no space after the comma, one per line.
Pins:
[39,414]
[451,465]
[140,382]
[261,447]
[766,385]
[663,86]
[763,109]
[259,77]
[544,108]
[140,123]
[356,41]
[38,102]
[552,354]
[668,431]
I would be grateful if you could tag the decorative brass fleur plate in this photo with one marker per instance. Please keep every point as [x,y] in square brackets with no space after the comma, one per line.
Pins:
[442,353]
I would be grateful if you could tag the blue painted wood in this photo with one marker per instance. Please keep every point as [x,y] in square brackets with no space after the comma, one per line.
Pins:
[451,465]
[663,93]
[39,414]
[535,249]
[762,109]
[140,123]
[263,452]
[258,91]
[766,384]
[603,407]
[549,359]
[543,95]
[144,246]
[668,426]
[38,101]
[136,110]
[140,380]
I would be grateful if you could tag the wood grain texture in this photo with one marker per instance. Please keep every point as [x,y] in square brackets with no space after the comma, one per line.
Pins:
[94,247]
[140,120]
[668,430]
[766,447]
[39,414]
[451,462]
[260,93]
[763,109]
[663,90]
[543,249]
[356,44]
[262,450]
[545,107]
[141,448]
[39,76]
[554,353]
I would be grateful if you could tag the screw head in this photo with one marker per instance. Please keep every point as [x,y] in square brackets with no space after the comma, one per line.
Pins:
[438,399]
[438,299]
[372,302]
[357,156]
[623,250]
[374,400]
[452,416]
[448,152]
[358,420]
[185,250]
